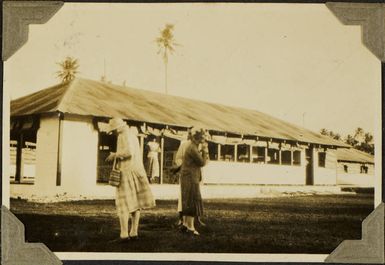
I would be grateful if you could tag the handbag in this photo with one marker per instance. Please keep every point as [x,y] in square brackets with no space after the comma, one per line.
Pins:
[115,175]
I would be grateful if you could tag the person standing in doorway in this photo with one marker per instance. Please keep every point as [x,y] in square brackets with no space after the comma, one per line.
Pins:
[153,161]
[133,193]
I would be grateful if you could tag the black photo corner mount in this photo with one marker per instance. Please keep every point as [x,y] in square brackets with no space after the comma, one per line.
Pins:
[17,15]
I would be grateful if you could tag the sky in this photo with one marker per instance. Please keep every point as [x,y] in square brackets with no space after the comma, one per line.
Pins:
[296,62]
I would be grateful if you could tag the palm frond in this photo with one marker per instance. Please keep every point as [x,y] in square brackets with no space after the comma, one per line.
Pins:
[68,69]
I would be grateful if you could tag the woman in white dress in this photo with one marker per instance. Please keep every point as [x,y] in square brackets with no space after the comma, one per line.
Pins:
[153,160]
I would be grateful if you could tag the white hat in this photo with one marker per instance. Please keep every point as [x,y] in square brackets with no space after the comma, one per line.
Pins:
[115,123]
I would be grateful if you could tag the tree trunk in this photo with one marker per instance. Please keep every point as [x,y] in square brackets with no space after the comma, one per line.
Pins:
[165,77]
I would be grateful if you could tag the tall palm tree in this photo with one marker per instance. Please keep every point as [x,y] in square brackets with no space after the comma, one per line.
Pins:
[68,69]
[166,45]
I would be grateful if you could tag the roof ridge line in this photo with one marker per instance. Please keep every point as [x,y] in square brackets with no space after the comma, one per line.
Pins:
[68,91]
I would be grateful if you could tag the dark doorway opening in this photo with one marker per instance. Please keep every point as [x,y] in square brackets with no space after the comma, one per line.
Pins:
[309,166]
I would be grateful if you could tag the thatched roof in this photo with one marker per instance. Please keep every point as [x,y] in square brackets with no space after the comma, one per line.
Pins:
[354,155]
[91,98]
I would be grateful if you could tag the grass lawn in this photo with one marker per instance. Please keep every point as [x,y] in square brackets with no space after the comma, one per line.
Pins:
[302,224]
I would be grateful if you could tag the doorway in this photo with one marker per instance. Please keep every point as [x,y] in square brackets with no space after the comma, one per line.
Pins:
[309,166]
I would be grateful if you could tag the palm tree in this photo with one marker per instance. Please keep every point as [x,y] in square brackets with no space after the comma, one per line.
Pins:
[337,136]
[368,138]
[331,134]
[324,131]
[166,45]
[350,140]
[359,135]
[68,69]
[368,145]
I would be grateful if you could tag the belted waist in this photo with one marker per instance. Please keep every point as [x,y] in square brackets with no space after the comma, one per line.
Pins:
[152,154]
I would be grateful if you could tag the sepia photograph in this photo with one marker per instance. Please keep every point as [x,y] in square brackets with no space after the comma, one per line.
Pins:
[195,129]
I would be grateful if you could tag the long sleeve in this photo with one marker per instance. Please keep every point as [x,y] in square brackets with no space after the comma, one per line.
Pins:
[198,157]
[124,149]
[180,153]
[179,156]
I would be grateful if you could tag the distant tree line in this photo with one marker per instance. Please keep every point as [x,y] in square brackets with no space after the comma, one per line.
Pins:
[360,139]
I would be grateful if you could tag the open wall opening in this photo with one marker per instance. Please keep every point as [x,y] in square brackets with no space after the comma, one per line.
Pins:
[297,157]
[273,156]
[106,144]
[170,148]
[23,150]
[286,157]
[213,150]
[227,152]
[243,153]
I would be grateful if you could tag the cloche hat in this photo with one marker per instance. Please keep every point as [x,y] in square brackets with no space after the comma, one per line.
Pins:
[115,123]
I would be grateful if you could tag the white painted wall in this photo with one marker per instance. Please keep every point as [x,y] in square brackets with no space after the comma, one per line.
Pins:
[353,177]
[222,172]
[326,175]
[359,180]
[79,159]
[250,173]
[46,161]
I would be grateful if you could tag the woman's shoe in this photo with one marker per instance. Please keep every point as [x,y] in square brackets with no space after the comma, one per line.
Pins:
[183,229]
[200,222]
[124,240]
[178,224]
[133,238]
[192,232]
[120,240]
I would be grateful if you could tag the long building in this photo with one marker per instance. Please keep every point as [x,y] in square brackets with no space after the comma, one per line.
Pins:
[58,145]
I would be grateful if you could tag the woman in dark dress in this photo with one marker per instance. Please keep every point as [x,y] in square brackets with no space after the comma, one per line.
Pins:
[194,159]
